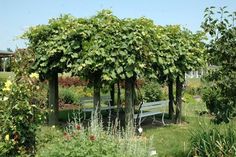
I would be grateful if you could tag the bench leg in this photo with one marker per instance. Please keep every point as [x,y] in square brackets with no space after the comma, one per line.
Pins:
[162,119]
[140,121]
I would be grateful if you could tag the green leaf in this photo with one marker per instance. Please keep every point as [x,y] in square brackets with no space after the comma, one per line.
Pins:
[129,74]
[166,72]
[119,70]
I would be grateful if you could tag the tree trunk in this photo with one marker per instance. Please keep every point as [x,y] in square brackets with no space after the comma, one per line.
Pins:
[129,111]
[118,100]
[112,94]
[171,97]
[135,102]
[179,91]
[96,95]
[53,100]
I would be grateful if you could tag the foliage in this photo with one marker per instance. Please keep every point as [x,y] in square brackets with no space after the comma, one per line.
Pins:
[152,92]
[221,50]
[105,49]
[116,49]
[20,115]
[21,108]
[68,96]
[179,51]
[72,95]
[55,45]
[213,142]
[94,141]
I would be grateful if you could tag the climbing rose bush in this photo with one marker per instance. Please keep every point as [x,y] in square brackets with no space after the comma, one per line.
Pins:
[20,115]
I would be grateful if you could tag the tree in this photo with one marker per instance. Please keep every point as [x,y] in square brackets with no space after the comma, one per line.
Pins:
[178,51]
[56,46]
[221,52]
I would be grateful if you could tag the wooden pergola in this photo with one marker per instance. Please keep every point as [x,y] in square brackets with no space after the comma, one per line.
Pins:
[5,54]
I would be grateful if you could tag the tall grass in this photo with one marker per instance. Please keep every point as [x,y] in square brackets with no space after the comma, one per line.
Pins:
[95,141]
[213,141]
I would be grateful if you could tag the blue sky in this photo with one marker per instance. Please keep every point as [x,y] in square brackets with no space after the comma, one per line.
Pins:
[17,15]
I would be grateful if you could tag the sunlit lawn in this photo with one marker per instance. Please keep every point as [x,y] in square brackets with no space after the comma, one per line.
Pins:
[173,140]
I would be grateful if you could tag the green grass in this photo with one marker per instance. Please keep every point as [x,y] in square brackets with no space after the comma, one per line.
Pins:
[6,75]
[173,140]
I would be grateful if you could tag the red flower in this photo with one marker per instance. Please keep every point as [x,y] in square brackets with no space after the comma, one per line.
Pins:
[78,127]
[16,136]
[92,137]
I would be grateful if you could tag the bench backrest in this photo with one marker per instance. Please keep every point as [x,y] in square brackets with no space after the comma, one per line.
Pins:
[156,104]
[85,100]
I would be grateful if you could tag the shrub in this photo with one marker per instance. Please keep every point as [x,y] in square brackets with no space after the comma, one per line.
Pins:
[152,92]
[94,141]
[219,96]
[72,95]
[67,95]
[19,117]
[67,81]
[210,95]
[213,142]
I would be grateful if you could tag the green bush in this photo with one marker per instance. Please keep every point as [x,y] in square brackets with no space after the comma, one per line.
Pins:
[213,142]
[68,96]
[210,95]
[152,92]
[219,96]
[72,95]
[94,141]
[19,117]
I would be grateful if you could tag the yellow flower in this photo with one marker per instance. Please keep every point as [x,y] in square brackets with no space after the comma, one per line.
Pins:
[7,137]
[6,89]
[34,75]
[8,83]
[7,86]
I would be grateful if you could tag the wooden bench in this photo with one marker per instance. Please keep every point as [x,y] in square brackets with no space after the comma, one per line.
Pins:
[151,109]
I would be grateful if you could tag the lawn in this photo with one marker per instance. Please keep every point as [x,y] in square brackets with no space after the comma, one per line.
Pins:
[174,140]
[5,75]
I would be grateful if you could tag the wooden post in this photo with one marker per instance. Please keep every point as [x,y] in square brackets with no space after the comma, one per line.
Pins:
[96,95]
[171,97]
[129,111]
[112,93]
[118,100]
[53,100]
[179,91]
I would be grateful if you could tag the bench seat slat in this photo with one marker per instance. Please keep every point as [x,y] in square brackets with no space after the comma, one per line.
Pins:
[164,102]
[151,107]
[146,114]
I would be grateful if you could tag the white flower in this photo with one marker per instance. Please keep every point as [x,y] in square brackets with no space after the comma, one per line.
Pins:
[153,152]
[140,130]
